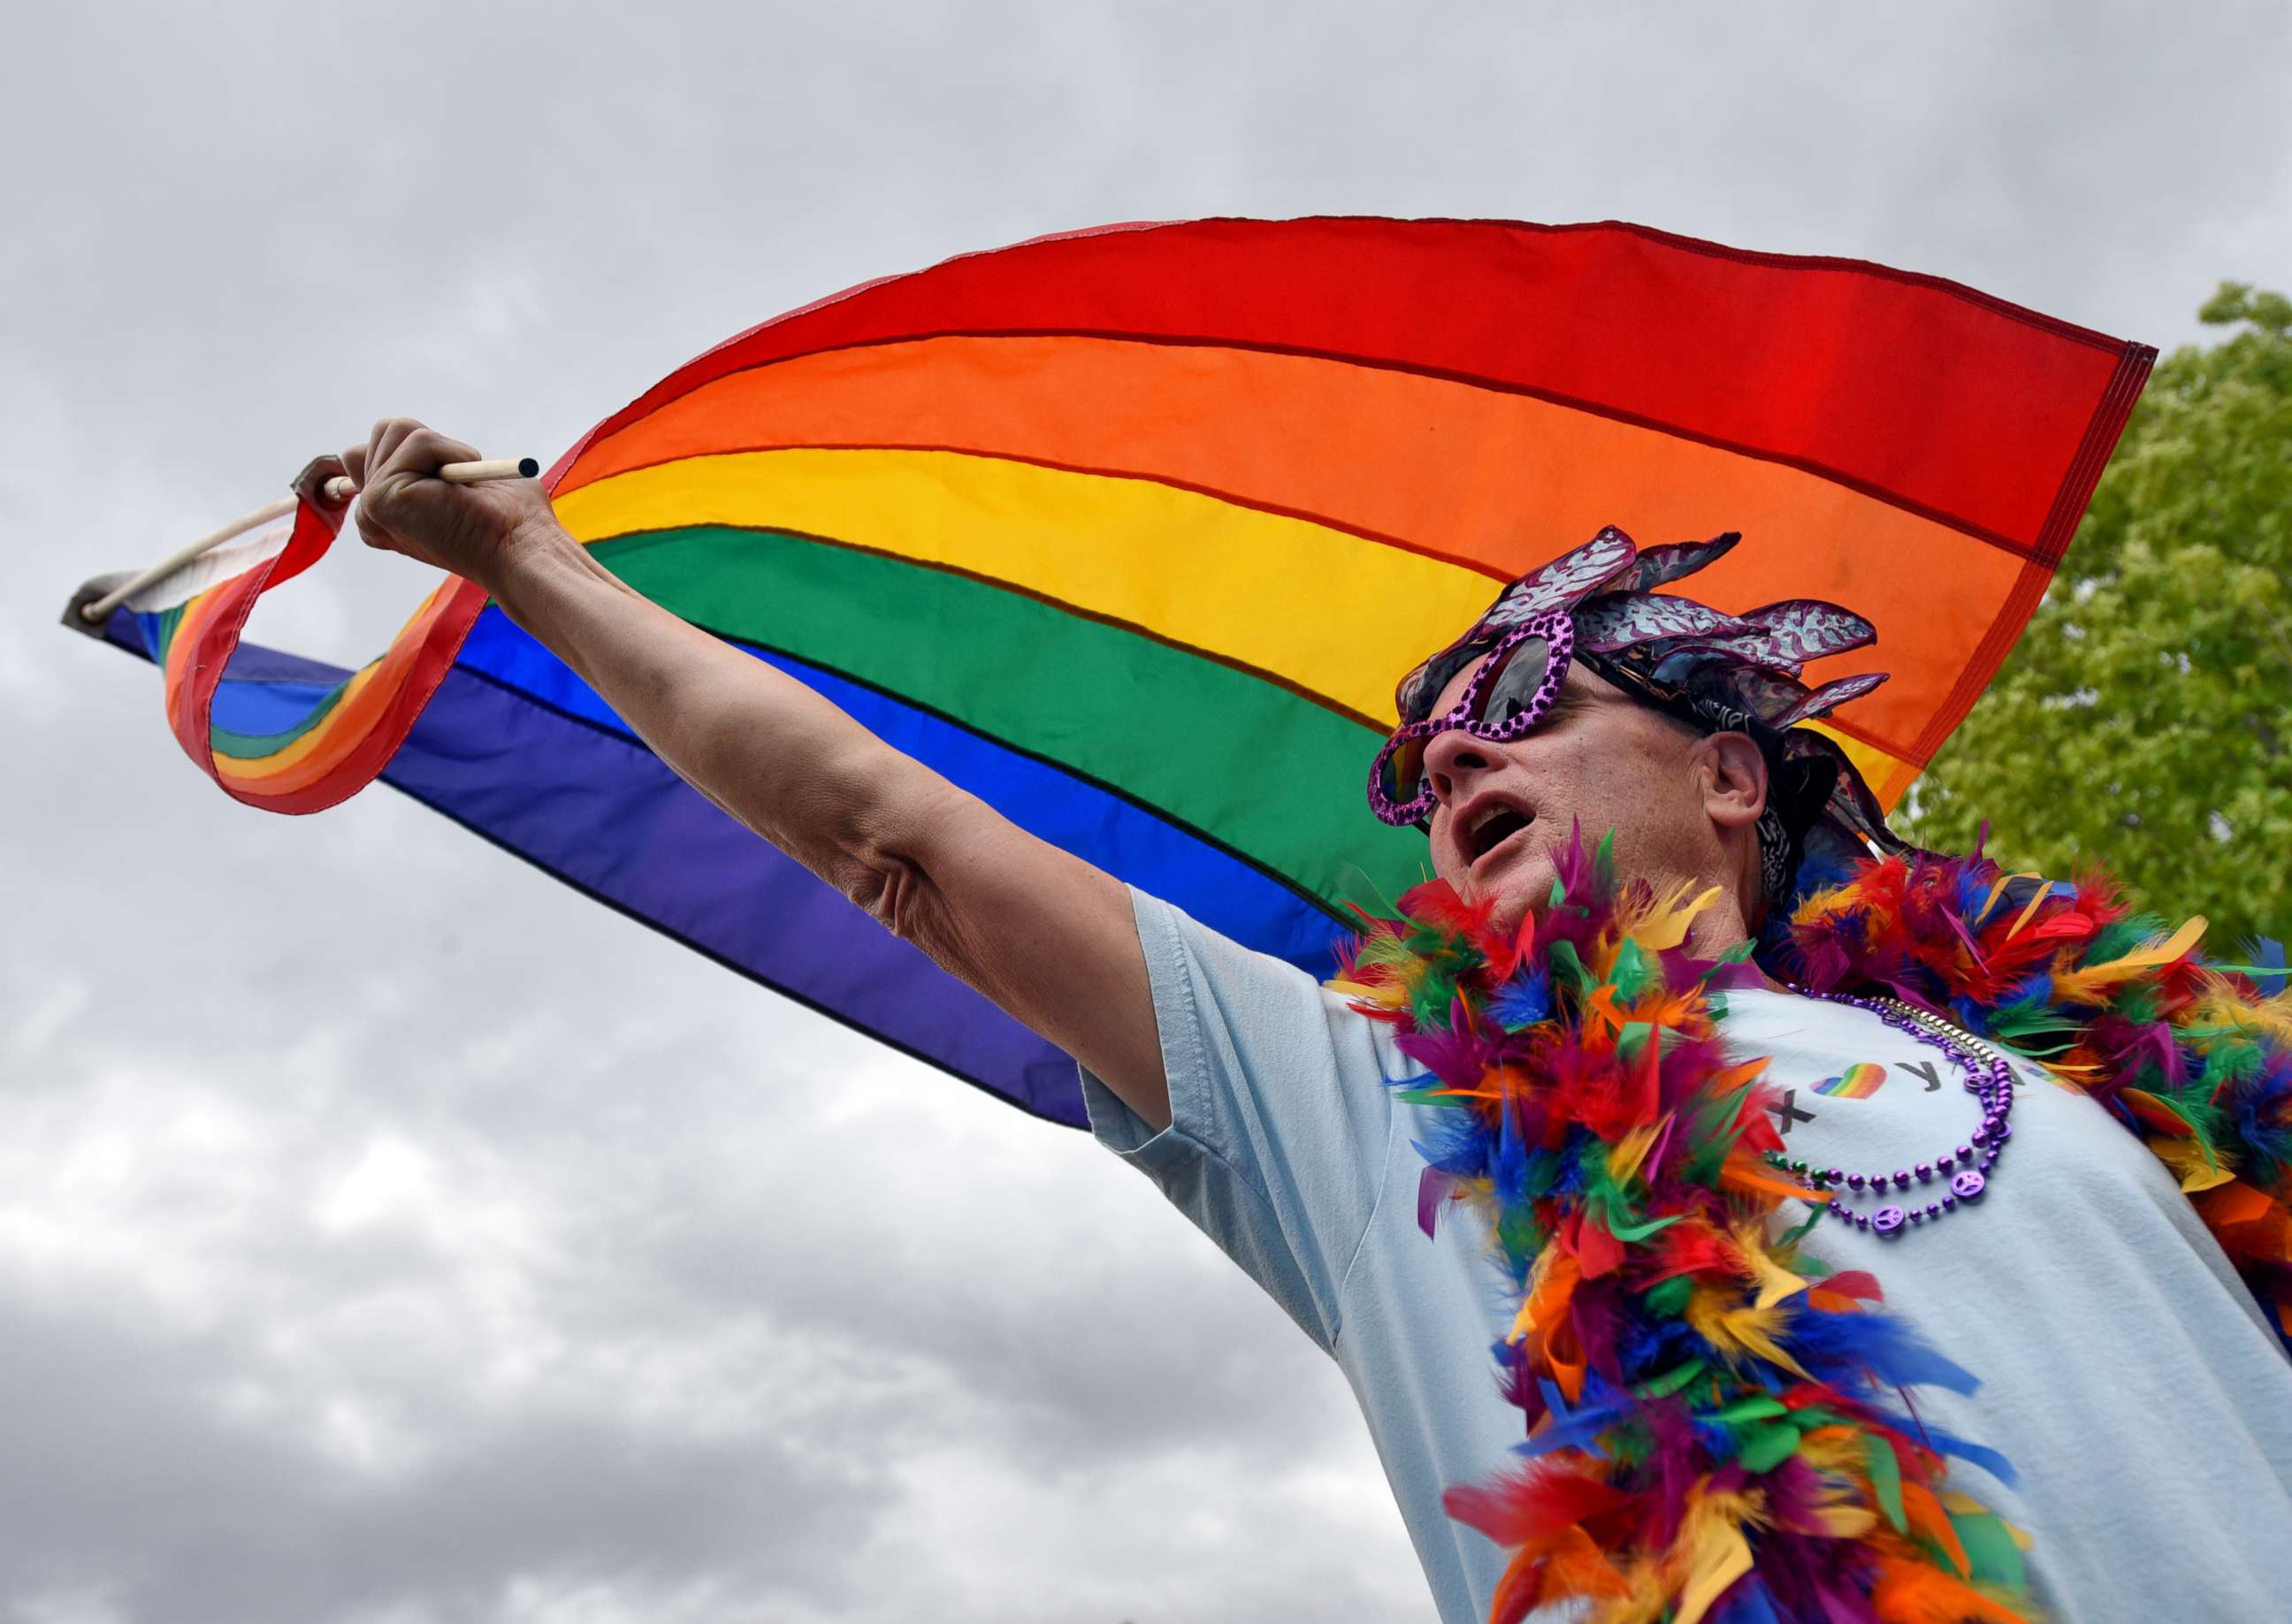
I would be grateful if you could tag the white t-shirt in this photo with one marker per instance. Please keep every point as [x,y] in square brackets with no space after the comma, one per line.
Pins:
[2126,1372]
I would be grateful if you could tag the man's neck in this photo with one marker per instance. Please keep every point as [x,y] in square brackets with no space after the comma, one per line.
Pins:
[1720,927]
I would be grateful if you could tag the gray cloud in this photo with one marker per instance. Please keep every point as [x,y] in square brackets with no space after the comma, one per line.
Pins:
[387,1236]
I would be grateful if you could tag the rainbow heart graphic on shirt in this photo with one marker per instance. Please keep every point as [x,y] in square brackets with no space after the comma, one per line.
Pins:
[1859,1081]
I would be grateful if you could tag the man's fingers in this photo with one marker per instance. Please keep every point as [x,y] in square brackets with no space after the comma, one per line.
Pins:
[425,451]
[404,507]
[395,477]
[383,439]
[404,450]
[402,444]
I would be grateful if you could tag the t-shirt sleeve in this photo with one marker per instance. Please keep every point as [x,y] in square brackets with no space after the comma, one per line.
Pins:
[1279,1109]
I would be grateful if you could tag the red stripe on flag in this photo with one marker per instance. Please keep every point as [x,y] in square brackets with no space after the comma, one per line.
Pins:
[1919,391]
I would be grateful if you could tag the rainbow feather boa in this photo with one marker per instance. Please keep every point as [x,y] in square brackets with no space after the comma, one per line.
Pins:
[1713,1430]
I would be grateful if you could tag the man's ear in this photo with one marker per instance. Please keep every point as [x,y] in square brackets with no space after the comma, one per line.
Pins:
[1733,774]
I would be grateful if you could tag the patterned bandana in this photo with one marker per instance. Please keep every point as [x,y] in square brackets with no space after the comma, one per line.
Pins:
[1717,672]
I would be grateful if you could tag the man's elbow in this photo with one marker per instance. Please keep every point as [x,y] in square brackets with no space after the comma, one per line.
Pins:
[887,859]
[892,890]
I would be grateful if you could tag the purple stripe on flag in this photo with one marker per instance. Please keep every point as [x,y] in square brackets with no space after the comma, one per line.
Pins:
[604,814]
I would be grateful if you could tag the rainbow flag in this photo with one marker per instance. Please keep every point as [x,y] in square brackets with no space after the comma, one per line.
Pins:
[1132,530]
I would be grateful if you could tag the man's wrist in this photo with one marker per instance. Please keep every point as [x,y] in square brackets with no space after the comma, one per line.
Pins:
[536,551]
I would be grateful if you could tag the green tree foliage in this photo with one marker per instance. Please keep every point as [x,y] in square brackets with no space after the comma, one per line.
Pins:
[2145,720]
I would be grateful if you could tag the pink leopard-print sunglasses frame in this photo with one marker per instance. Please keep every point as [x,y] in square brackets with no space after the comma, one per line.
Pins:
[1402,762]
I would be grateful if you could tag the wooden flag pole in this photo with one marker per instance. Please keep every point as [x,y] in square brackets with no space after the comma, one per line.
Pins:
[340,488]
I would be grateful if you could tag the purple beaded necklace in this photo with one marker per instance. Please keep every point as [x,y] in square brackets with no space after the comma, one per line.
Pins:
[1989,1076]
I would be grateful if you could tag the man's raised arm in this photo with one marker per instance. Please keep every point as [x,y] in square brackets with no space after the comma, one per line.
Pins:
[1045,935]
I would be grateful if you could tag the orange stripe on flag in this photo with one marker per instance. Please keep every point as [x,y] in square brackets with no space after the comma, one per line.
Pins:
[1495,481]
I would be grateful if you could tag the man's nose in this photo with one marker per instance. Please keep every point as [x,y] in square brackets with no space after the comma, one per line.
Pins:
[1451,759]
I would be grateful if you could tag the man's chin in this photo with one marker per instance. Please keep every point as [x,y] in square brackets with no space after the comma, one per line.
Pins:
[1522,883]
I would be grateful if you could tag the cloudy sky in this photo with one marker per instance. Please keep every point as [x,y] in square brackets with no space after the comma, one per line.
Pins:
[388,1236]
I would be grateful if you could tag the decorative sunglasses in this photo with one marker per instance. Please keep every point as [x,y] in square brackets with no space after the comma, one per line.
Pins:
[1511,693]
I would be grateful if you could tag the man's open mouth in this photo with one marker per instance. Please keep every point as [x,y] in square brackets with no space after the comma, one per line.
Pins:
[1491,827]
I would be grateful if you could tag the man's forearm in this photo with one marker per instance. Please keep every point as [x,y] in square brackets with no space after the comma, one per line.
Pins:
[765,748]
[1042,933]
[1038,930]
